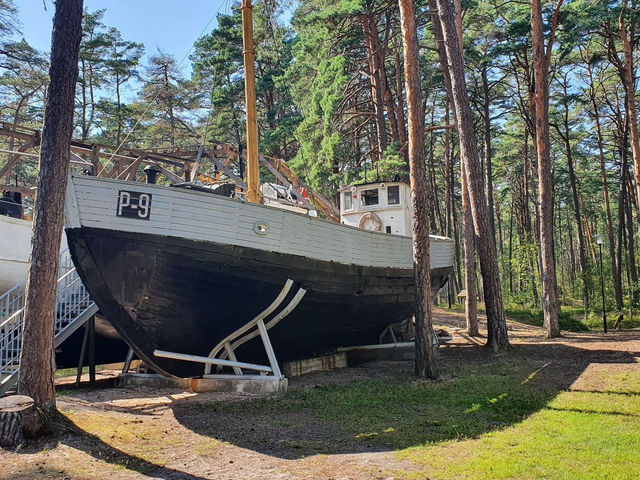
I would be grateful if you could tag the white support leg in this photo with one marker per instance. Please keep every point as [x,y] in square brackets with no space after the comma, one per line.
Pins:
[232,356]
[248,331]
[269,349]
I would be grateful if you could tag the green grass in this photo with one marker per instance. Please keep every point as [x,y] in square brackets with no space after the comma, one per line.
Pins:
[572,318]
[578,435]
[401,412]
[493,417]
[67,372]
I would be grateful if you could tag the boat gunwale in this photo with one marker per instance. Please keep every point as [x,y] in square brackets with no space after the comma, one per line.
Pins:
[215,198]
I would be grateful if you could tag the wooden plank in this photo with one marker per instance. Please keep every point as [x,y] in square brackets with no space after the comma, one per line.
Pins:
[13,159]
[18,153]
[170,175]
[130,171]
[196,165]
[226,170]
[73,158]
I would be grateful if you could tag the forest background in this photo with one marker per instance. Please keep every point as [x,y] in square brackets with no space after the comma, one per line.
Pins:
[331,103]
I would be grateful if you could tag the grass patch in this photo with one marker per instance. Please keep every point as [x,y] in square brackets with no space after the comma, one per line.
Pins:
[69,372]
[401,412]
[586,435]
[499,417]
[572,318]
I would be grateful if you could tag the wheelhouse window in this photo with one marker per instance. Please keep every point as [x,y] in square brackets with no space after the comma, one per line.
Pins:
[393,195]
[347,200]
[370,197]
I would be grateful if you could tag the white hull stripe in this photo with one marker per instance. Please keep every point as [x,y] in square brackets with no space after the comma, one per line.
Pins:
[94,202]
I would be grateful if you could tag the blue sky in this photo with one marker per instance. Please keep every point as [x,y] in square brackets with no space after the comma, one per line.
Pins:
[170,25]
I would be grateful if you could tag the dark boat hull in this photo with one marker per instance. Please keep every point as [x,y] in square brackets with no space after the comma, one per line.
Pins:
[185,296]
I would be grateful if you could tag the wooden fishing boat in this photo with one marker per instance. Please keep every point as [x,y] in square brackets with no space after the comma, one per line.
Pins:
[179,270]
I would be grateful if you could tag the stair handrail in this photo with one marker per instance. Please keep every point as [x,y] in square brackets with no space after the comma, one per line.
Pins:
[72,303]
[13,299]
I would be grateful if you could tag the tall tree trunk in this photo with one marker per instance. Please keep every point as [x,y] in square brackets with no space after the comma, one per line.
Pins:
[454,215]
[575,195]
[36,359]
[425,362]
[400,98]
[497,336]
[633,270]
[172,122]
[627,75]
[615,266]
[488,148]
[621,215]
[471,302]
[510,266]
[499,233]
[469,247]
[83,118]
[370,30]
[541,60]
[572,252]
[118,114]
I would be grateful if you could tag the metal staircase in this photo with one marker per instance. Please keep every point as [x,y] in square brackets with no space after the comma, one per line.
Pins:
[73,309]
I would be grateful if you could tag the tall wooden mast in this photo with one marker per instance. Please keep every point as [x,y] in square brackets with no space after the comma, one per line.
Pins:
[253,178]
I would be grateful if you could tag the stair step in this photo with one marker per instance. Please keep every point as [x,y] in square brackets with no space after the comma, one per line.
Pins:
[72,304]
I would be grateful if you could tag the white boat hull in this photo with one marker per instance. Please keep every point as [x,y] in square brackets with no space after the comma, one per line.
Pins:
[15,244]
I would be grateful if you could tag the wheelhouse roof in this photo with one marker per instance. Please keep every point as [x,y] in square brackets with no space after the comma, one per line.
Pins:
[376,183]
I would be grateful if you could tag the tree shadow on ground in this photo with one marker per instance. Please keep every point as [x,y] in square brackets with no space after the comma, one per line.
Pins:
[67,433]
[390,409]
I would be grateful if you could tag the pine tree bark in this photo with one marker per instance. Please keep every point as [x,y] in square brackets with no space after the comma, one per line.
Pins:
[469,247]
[575,195]
[399,93]
[633,270]
[541,60]
[470,301]
[497,337]
[488,147]
[425,360]
[19,418]
[36,360]
[370,30]
[615,266]
[627,75]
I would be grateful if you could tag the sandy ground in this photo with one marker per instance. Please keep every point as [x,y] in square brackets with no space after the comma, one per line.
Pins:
[136,433]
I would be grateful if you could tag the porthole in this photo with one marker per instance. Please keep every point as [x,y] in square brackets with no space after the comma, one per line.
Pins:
[261,228]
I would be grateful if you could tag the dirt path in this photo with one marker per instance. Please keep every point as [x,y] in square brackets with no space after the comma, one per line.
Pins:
[136,433]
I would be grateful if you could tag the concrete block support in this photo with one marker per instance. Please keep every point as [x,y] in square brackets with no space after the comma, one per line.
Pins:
[318,364]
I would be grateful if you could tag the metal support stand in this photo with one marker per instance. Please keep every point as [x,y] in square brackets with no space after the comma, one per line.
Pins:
[83,350]
[128,360]
[91,328]
[223,354]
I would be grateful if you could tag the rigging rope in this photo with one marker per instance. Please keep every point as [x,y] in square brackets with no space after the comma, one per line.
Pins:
[163,86]
[203,139]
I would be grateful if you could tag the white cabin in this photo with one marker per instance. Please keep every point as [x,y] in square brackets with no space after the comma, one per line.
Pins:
[379,206]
